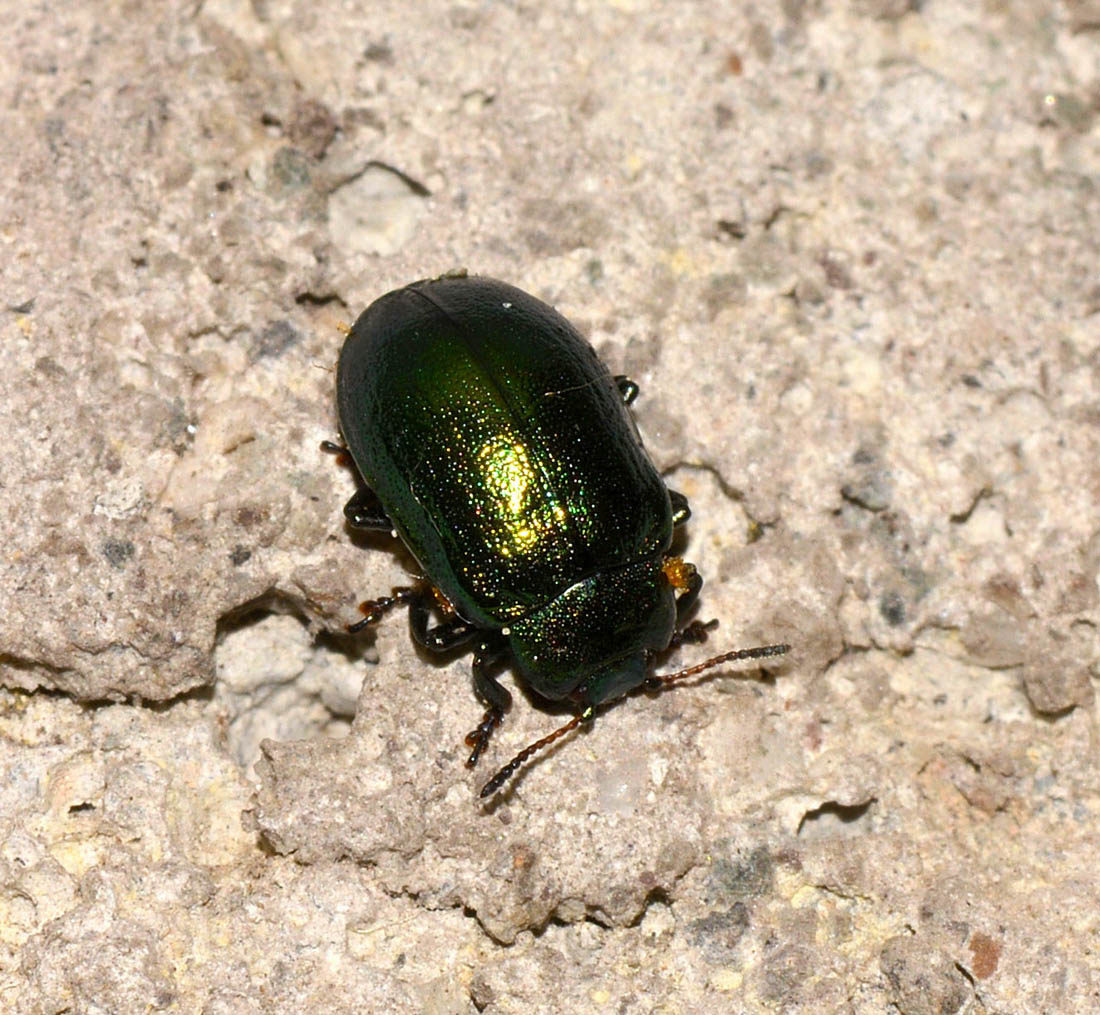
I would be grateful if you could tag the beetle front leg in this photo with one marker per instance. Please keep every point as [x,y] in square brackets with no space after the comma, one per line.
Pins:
[687,582]
[490,692]
[686,600]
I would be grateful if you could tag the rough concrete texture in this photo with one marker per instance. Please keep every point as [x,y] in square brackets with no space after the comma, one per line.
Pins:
[850,253]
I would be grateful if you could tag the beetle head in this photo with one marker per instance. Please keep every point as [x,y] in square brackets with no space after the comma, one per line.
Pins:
[593,641]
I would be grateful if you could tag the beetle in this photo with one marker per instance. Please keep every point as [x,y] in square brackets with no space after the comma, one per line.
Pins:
[493,441]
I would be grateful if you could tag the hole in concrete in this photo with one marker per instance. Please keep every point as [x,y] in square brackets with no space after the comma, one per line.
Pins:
[276,680]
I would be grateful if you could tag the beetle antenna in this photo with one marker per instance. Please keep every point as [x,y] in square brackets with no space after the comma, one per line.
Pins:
[652,683]
[762,652]
[506,773]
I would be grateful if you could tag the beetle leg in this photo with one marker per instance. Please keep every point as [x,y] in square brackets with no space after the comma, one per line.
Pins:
[680,510]
[364,511]
[687,582]
[489,691]
[374,609]
[454,631]
[627,388]
[343,456]
[686,600]
[420,599]
[694,633]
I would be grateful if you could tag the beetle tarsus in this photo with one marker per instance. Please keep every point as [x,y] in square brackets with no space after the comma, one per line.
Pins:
[374,610]
[343,456]
[478,738]
[694,634]
[496,698]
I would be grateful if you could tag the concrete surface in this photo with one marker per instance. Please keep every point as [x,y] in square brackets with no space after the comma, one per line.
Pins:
[849,252]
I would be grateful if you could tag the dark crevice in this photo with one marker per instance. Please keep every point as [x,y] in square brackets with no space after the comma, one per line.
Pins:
[967,975]
[657,894]
[774,216]
[848,651]
[730,491]
[757,529]
[860,498]
[202,693]
[964,516]
[838,893]
[846,814]
[321,299]
[267,848]
[1039,715]
[412,183]
[27,665]
[734,229]
[245,614]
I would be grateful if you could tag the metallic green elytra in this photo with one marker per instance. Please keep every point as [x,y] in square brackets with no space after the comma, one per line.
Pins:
[500,449]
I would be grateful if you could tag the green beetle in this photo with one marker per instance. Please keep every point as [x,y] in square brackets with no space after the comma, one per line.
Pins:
[494,442]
